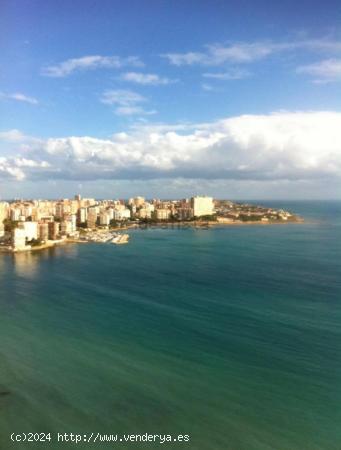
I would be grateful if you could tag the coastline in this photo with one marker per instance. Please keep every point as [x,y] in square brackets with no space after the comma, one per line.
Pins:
[209,224]
[182,224]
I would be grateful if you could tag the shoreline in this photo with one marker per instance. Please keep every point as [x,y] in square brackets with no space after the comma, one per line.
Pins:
[195,225]
[204,225]
[212,224]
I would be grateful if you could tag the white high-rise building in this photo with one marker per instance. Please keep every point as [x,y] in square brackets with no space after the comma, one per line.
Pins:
[92,217]
[18,239]
[202,206]
[26,211]
[104,218]
[15,214]
[121,214]
[31,230]
[82,215]
[73,220]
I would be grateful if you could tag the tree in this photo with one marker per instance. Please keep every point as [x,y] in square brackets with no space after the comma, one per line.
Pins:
[34,242]
[10,225]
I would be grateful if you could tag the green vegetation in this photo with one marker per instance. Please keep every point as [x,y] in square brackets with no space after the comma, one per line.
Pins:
[247,218]
[10,225]
[35,242]
[114,223]
[151,220]
[210,217]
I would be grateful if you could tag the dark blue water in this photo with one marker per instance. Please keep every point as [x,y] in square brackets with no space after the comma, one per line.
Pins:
[230,335]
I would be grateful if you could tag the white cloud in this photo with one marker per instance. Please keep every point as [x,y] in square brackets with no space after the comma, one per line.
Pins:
[12,141]
[91,62]
[183,59]
[12,136]
[127,102]
[19,97]
[324,45]
[248,52]
[8,172]
[122,97]
[240,53]
[146,78]
[218,54]
[233,74]
[8,169]
[325,71]
[129,110]
[133,110]
[23,162]
[207,87]
[280,146]
[14,168]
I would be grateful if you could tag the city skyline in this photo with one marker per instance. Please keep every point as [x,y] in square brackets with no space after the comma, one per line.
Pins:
[116,100]
[42,224]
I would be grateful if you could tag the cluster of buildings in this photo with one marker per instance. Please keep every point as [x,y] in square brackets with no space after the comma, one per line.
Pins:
[24,224]
[27,223]
[161,210]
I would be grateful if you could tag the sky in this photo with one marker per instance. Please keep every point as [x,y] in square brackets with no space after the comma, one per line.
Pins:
[111,99]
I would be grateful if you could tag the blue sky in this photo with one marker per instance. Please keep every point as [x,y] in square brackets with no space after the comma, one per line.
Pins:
[171,98]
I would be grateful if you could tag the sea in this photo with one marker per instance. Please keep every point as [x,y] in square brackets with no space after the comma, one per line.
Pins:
[228,336]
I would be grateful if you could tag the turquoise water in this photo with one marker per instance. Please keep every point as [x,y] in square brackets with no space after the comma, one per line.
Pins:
[230,335]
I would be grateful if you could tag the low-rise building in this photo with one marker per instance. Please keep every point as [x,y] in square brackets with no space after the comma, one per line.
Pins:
[162,214]
[185,213]
[65,228]
[144,213]
[54,230]
[43,231]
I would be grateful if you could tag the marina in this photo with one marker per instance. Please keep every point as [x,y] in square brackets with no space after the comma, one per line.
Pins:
[104,237]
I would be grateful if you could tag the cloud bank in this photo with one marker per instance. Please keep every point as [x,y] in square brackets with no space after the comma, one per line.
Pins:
[278,146]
